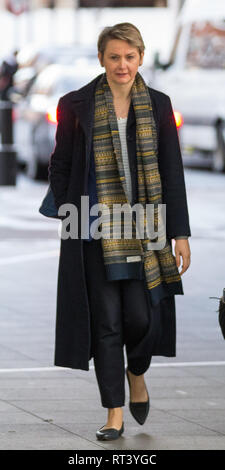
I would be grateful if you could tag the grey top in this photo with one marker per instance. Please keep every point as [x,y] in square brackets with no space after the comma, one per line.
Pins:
[122,125]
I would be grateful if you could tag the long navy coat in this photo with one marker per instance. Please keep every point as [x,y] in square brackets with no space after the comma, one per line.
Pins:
[68,176]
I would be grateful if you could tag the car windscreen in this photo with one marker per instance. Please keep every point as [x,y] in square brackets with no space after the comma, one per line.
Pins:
[52,82]
[68,83]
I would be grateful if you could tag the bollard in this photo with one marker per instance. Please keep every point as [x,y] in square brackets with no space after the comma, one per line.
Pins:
[8,161]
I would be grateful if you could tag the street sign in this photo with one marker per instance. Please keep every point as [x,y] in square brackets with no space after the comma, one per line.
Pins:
[17,6]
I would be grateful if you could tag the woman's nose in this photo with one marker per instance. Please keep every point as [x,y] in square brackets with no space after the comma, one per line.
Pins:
[122,63]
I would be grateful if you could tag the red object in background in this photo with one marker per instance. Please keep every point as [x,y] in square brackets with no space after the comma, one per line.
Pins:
[178,119]
[14,114]
[17,6]
[52,115]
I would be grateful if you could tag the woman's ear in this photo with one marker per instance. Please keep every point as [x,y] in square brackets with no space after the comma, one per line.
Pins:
[100,58]
[141,58]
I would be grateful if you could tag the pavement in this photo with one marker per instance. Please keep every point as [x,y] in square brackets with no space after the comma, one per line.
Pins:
[46,407]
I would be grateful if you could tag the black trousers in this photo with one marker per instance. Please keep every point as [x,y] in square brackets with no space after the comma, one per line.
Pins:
[119,316]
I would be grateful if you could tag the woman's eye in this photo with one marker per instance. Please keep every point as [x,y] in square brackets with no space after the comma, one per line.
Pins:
[114,57]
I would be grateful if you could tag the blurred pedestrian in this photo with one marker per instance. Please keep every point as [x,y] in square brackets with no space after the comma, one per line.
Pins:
[117,142]
[8,67]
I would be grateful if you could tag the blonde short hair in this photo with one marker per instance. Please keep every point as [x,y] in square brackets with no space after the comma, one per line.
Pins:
[124,31]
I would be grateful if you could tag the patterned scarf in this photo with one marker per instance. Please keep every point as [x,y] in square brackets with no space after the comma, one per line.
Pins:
[126,258]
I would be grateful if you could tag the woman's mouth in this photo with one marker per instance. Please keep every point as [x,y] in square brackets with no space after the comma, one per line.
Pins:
[121,74]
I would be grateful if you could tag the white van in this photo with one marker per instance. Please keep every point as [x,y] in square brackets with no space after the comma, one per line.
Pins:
[194,78]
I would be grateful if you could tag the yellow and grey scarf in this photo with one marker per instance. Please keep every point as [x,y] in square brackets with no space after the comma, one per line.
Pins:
[127,258]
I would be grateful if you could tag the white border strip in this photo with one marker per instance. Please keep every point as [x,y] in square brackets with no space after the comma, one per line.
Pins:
[162,364]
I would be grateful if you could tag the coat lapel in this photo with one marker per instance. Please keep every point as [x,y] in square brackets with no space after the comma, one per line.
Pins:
[83,106]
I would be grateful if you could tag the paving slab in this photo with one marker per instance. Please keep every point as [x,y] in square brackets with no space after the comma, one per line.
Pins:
[60,409]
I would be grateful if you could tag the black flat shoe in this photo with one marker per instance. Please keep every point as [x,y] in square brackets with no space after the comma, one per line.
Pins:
[139,410]
[109,433]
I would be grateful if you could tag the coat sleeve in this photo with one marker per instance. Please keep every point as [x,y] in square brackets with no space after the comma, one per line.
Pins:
[61,159]
[172,175]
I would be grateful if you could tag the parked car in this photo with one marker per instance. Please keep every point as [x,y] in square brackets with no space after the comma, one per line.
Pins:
[35,116]
[32,60]
[194,78]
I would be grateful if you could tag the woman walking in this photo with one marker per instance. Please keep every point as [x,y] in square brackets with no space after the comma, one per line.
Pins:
[117,142]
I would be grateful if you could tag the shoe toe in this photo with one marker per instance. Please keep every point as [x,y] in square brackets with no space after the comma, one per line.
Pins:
[139,411]
[109,433]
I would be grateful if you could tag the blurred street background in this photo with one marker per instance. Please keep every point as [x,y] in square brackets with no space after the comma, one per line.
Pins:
[48,48]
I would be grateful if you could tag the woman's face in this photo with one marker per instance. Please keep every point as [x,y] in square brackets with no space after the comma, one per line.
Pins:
[121,61]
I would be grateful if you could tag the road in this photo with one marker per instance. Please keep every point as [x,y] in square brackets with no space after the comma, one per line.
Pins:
[188,390]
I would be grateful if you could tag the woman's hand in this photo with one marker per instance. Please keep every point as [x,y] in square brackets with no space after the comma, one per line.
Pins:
[182,249]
